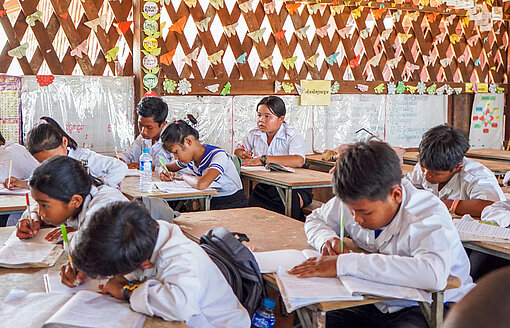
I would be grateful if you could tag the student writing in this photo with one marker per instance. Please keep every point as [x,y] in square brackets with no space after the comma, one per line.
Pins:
[411,240]
[22,161]
[171,276]
[274,141]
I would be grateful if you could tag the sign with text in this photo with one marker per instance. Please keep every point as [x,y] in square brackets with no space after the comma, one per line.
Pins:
[315,93]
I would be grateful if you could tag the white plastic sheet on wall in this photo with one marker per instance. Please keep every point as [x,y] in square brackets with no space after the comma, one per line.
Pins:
[96,111]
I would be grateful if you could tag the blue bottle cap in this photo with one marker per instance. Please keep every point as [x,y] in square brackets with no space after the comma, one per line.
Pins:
[145,150]
[269,303]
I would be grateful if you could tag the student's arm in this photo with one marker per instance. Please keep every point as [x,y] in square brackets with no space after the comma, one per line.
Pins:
[323,224]
[172,167]
[243,154]
[111,169]
[498,213]
[23,229]
[15,183]
[202,182]
[473,207]
[127,155]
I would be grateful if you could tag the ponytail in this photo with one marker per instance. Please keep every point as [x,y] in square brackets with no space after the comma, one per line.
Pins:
[71,143]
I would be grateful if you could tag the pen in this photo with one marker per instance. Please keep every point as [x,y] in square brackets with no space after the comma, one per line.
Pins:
[342,229]
[67,247]
[10,171]
[166,168]
[29,213]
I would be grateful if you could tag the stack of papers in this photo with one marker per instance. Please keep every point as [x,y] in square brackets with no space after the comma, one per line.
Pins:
[470,229]
[5,191]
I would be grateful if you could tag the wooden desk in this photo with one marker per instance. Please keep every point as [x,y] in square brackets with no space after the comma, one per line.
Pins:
[130,188]
[285,182]
[31,280]
[318,161]
[269,231]
[501,250]
[13,204]
[495,154]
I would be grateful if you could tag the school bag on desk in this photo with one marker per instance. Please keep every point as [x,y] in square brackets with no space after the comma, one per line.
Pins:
[237,264]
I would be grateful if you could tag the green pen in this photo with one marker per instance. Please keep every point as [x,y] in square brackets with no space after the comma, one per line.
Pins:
[67,248]
[166,168]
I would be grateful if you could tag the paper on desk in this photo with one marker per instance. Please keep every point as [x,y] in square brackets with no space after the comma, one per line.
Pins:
[253,168]
[285,258]
[178,187]
[5,191]
[133,173]
[359,286]
[53,284]
[473,230]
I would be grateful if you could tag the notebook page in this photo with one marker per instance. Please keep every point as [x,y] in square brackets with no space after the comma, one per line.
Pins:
[53,284]
[106,312]
[5,191]
[285,258]
[20,254]
[178,187]
[359,286]
[253,168]
[474,227]
[40,237]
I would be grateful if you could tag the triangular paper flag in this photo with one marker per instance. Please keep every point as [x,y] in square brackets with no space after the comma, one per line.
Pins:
[269,7]
[445,61]
[364,33]
[293,7]
[19,51]
[379,88]
[362,87]
[289,62]
[63,16]
[242,59]
[279,35]
[323,31]
[454,38]
[392,63]
[267,62]
[122,27]
[246,6]
[385,35]
[37,16]
[203,25]
[167,58]
[217,4]
[449,20]
[191,3]
[299,89]
[191,56]
[413,16]
[312,60]
[230,29]
[335,10]
[411,89]
[92,24]
[3,12]
[312,9]
[80,50]
[257,35]
[226,89]
[356,13]
[178,26]
[465,21]
[472,40]
[404,37]
[331,59]
[354,62]
[213,88]
[374,61]
[215,58]
[377,13]
[301,32]
[111,54]
[439,38]
[277,86]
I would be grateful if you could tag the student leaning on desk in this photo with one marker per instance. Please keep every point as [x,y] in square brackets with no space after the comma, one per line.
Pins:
[411,240]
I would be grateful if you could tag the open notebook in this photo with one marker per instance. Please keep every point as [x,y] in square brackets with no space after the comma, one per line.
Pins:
[180,187]
[36,252]
[53,284]
[83,309]
[5,191]
[470,229]
[298,292]
[285,258]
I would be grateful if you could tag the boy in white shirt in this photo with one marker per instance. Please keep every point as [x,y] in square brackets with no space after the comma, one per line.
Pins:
[23,164]
[175,279]
[464,185]
[152,113]
[408,233]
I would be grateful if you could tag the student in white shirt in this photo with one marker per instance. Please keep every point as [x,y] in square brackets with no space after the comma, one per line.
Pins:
[47,140]
[497,213]
[65,194]
[152,113]
[274,141]
[23,164]
[206,163]
[464,185]
[172,276]
[408,233]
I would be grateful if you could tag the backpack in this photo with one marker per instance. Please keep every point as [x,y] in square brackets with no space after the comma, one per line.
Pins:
[158,208]
[237,264]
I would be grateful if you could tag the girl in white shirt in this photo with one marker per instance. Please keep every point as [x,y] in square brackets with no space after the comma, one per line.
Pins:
[274,141]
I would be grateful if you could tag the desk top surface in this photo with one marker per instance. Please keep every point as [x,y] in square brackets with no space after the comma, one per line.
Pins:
[496,166]
[317,159]
[302,177]
[10,203]
[489,154]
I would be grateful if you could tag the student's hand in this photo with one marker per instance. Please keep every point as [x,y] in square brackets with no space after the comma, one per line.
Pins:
[57,233]
[324,266]
[243,154]
[164,176]
[15,183]
[252,162]
[133,166]
[333,247]
[71,277]
[114,286]
[23,230]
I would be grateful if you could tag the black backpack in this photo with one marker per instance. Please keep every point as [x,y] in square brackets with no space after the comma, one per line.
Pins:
[237,264]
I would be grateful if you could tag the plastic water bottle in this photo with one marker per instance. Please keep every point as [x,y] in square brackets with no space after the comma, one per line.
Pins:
[264,316]
[145,171]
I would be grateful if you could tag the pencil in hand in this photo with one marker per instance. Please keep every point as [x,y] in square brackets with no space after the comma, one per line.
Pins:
[68,249]
[170,175]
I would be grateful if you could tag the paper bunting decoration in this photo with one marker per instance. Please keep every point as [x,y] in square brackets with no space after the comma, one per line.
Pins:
[354,62]
[475,87]
[401,88]
[461,58]
[63,16]
[392,88]
[299,89]
[362,87]
[242,59]
[429,60]
[161,2]
[413,16]
[454,38]
[323,31]
[335,87]
[445,61]
[191,3]
[377,13]
[421,88]
[385,35]
[215,58]
[292,8]
[257,35]
[331,59]
[3,12]
[409,69]
[122,27]
[111,54]
[472,40]
[344,32]
[230,29]
[287,87]
[392,63]
[500,89]
[465,21]
[267,62]
[169,85]
[93,24]
[396,15]
[269,7]
[432,89]
[31,19]
[379,88]
[439,38]
[279,35]
[374,61]
[277,86]
[431,17]
[356,13]
[486,39]
[403,37]
[335,10]
[457,90]
[289,62]
[203,25]
[411,89]
[440,91]
[312,60]
[226,89]
[178,26]
[184,87]
[19,51]
[81,50]
[312,9]
[45,80]
[301,32]
[246,6]
[364,33]
[167,58]
[191,56]
[477,62]
[217,4]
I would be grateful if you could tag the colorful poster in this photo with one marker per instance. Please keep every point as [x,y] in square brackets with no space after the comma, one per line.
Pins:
[487,121]
[10,107]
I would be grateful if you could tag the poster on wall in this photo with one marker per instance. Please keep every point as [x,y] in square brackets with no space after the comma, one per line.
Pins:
[486,129]
[10,107]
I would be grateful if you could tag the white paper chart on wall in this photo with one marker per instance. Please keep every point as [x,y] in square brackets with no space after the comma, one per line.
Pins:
[95,111]
[487,121]
[10,107]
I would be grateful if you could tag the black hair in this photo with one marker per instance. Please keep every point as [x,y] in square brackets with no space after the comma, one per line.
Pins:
[61,177]
[175,132]
[275,105]
[366,170]
[442,148]
[153,107]
[2,139]
[116,240]
[70,141]
[46,136]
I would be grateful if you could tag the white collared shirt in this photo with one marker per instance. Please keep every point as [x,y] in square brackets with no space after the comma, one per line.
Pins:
[419,248]
[473,181]
[185,285]
[23,164]
[498,213]
[132,153]
[287,141]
